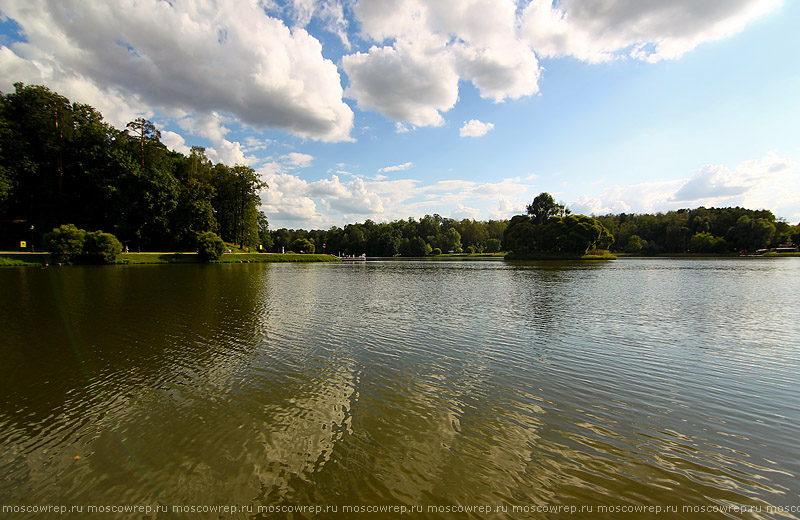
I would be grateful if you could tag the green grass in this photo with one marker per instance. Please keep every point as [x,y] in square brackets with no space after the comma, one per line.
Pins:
[39,260]
[11,262]
[274,257]
[32,260]
[599,255]
[594,254]
[228,258]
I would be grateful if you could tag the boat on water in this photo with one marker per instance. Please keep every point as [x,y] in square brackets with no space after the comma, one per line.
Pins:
[362,258]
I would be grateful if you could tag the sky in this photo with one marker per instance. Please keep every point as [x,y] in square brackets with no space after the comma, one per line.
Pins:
[388,109]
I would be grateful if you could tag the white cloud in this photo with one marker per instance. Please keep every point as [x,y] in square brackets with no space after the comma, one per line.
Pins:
[475,128]
[295,202]
[208,125]
[506,209]
[752,184]
[203,57]
[298,160]
[396,168]
[352,198]
[461,212]
[330,13]
[434,44]
[600,30]
[175,142]
[229,153]
[407,82]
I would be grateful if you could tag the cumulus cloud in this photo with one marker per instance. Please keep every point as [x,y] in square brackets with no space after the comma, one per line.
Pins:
[295,202]
[475,128]
[461,212]
[229,152]
[600,30]
[202,57]
[298,160]
[406,82]
[175,142]
[432,44]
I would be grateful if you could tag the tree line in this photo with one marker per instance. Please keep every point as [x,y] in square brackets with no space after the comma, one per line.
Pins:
[700,230]
[60,163]
[548,228]
[431,234]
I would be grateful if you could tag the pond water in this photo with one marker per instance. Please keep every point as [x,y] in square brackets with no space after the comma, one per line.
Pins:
[438,386]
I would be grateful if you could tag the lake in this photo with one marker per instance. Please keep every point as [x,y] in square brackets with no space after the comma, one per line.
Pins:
[434,386]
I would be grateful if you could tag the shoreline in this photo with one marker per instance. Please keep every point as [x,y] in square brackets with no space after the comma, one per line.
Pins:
[12,259]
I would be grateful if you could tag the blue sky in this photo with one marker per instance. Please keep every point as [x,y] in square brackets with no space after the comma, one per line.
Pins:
[389,109]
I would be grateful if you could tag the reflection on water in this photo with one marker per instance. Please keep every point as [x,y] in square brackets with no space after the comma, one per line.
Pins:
[637,382]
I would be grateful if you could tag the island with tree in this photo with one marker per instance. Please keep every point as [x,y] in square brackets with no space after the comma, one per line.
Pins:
[548,230]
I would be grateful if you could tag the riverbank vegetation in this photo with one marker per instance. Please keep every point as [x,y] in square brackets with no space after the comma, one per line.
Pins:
[700,231]
[60,163]
[430,235]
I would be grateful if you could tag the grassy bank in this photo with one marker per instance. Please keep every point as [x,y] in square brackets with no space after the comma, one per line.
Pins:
[233,258]
[595,254]
[39,260]
[24,259]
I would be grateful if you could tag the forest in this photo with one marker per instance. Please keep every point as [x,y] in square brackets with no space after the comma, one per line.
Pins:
[60,163]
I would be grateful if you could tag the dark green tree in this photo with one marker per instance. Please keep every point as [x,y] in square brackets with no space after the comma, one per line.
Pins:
[303,245]
[210,246]
[543,207]
[101,248]
[66,243]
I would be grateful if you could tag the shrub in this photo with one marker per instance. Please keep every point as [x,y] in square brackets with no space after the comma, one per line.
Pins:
[66,242]
[210,246]
[101,248]
[436,251]
[303,245]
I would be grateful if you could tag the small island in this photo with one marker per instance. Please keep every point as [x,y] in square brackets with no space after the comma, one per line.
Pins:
[549,232]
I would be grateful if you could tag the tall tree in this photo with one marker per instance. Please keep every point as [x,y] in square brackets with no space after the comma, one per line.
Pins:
[143,132]
[543,207]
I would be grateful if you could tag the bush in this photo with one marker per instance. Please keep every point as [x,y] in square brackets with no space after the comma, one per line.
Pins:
[210,246]
[436,251]
[66,242]
[101,248]
[303,245]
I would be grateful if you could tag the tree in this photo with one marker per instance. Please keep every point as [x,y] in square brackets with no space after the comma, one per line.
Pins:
[102,248]
[66,242]
[704,242]
[303,245]
[264,236]
[750,234]
[543,207]
[144,132]
[236,201]
[493,245]
[635,244]
[193,213]
[210,246]
[569,235]
[450,240]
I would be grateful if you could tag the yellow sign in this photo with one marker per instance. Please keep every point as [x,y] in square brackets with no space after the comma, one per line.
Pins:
[23,244]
